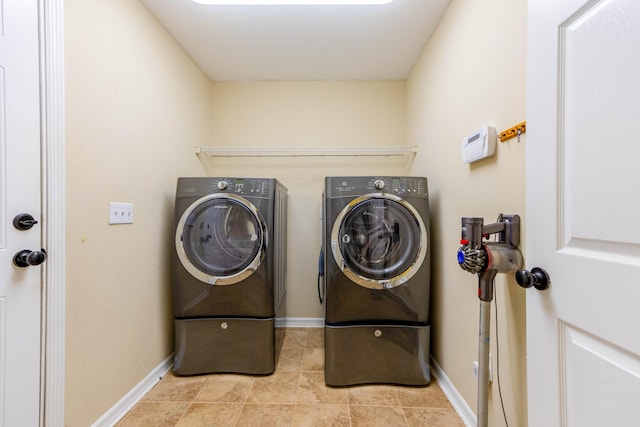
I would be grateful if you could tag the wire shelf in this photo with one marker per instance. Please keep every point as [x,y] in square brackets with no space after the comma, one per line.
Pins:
[311,151]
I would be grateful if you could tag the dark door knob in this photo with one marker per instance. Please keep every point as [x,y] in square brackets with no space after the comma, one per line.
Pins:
[24,221]
[537,277]
[25,258]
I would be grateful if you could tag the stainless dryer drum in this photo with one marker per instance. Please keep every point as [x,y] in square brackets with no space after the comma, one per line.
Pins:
[379,241]
[221,239]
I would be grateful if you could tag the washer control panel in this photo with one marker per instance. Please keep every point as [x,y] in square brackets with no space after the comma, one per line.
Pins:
[201,186]
[245,186]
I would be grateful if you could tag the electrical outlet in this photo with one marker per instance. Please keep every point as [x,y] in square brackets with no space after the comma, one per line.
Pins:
[120,213]
[475,368]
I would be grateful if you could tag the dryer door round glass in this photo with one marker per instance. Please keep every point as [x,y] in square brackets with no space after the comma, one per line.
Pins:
[221,239]
[379,241]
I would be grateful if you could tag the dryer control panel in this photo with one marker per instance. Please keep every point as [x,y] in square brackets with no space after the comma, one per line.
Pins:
[358,185]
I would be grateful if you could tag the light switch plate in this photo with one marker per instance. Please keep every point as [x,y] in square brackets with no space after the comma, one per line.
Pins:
[120,213]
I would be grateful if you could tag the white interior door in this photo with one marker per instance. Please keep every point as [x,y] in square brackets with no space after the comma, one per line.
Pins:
[583,212]
[20,287]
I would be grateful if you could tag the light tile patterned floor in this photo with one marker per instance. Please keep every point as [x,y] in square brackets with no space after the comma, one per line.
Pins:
[294,396]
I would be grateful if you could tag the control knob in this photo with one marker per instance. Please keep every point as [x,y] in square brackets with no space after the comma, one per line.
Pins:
[379,184]
[222,185]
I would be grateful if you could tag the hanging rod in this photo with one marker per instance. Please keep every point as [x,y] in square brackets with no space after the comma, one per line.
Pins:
[312,151]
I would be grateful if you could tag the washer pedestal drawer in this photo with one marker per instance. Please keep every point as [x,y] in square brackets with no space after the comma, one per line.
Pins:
[234,345]
[367,354]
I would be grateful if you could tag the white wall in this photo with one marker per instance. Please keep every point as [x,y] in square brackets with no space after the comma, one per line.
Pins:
[470,74]
[135,106]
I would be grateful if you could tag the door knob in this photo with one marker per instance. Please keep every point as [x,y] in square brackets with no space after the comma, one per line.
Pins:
[24,221]
[25,258]
[537,277]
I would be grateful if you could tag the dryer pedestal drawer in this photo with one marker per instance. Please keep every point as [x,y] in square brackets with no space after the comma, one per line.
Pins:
[234,345]
[367,354]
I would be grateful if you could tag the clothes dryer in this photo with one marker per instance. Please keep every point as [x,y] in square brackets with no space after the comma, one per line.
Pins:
[228,275]
[376,280]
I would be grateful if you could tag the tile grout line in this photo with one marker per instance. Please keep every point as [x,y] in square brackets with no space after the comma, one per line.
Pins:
[308,348]
[295,408]
[297,402]
[244,401]
[183,414]
[404,413]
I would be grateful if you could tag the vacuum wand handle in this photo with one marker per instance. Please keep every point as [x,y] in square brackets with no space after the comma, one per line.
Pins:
[485,284]
[501,259]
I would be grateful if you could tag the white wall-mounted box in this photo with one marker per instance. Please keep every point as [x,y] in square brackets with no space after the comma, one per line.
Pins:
[479,144]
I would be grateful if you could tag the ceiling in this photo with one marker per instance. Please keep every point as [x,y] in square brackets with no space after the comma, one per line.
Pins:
[256,43]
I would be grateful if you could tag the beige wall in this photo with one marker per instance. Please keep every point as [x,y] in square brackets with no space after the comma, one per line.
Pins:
[308,114]
[470,74]
[136,105]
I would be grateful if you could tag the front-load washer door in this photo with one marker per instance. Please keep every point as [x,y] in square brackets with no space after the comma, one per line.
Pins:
[379,241]
[221,239]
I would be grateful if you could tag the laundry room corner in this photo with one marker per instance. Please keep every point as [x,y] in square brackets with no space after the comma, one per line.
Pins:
[298,114]
[472,73]
[135,107]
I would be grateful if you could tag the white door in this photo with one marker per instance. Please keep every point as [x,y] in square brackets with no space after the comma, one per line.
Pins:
[583,212]
[20,293]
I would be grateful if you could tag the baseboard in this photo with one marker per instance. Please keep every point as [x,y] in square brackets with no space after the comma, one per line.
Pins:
[124,405]
[301,322]
[459,404]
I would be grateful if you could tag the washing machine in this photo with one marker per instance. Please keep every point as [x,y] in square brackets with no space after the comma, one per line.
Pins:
[376,280]
[228,274]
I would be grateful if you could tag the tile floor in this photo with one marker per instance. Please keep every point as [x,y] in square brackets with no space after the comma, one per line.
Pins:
[295,395]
